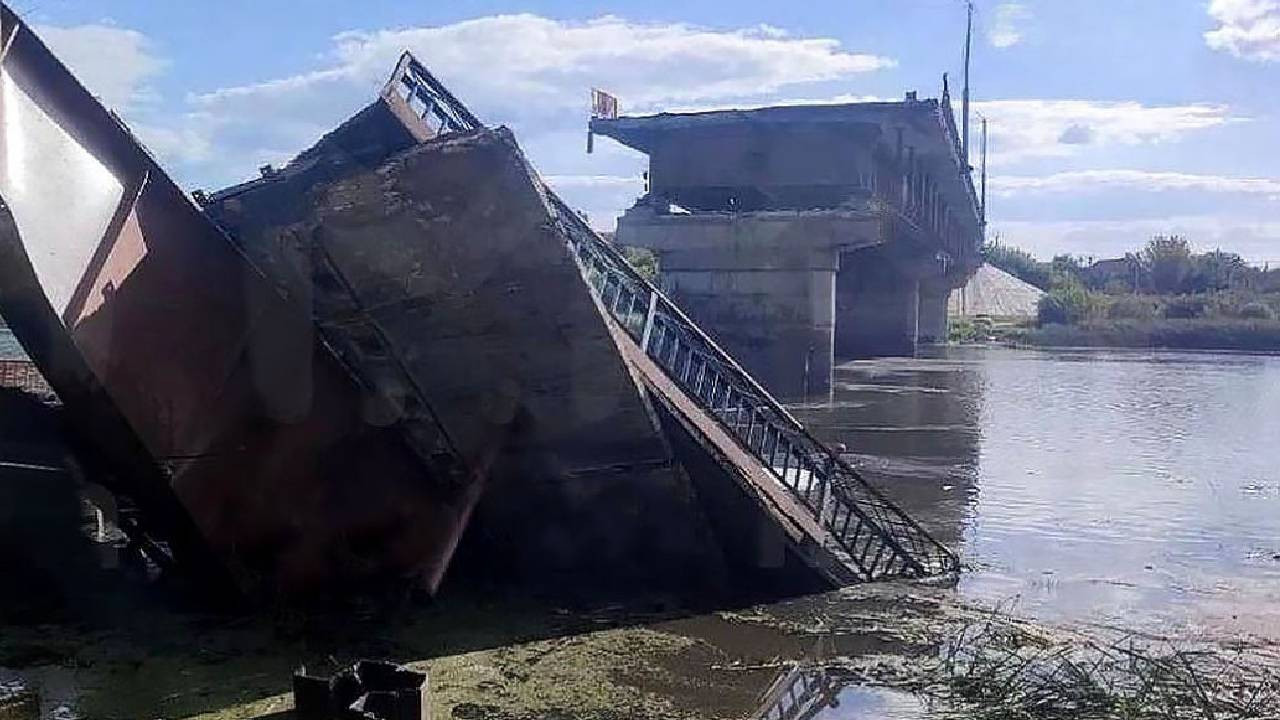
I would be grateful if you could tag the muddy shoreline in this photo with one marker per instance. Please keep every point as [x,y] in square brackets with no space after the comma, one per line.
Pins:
[485,658]
[513,660]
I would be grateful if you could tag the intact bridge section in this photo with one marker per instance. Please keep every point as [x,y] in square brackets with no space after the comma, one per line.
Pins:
[804,235]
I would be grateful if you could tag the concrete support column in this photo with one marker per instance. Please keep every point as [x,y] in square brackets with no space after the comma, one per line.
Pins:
[877,308]
[777,323]
[762,285]
[932,325]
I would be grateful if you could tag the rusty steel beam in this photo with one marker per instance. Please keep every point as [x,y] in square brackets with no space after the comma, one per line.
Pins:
[192,385]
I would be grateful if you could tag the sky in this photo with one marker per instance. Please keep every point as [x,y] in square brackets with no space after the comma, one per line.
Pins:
[1110,120]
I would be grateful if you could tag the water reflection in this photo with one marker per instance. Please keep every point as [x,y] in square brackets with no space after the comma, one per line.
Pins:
[815,692]
[912,426]
[10,349]
[1138,488]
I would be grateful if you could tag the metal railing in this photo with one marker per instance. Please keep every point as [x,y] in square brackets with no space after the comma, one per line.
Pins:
[797,694]
[427,97]
[23,375]
[879,539]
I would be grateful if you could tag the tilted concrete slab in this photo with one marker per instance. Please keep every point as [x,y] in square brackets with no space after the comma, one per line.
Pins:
[455,253]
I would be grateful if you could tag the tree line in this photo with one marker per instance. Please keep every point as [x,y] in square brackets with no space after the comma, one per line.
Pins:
[1165,279]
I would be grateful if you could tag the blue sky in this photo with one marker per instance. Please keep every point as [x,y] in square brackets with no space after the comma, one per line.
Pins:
[1111,120]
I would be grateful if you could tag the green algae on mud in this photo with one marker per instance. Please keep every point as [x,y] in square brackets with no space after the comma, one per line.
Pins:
[501,660]
[510,661]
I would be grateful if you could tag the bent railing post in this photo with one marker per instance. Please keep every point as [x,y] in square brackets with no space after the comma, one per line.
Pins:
[648,322]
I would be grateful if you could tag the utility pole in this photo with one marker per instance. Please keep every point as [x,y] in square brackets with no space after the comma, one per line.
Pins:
[984,172]
[964,100]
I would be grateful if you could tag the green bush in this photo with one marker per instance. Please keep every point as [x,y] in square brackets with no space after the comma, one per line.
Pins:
[1216,334]
[1018,263]
[1185,307]
[1066,305]
[645,261]
[1132,307]
[962,330]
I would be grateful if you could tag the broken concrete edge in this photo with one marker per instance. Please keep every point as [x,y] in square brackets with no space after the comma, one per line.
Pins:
[488,211]
[934,114]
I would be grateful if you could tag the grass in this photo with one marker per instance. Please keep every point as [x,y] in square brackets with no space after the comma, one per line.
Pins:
[999,669]
[1191,334]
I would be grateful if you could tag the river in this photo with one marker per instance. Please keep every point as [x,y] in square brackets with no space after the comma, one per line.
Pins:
[10,349]
[1131,488]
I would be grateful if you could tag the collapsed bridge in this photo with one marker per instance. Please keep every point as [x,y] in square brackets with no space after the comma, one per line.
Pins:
[400,354]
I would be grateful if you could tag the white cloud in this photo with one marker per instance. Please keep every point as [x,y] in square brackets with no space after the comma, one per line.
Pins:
[560,181]
[536,58]
[1248,29]
[1257,239]
[1006,29]
[524,70]
[1028,128]
[113,63]
[183,142]
[1087,180]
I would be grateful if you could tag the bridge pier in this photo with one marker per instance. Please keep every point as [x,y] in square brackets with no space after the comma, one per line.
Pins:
[877,308]
[788,294]
[764,285]
[932,327]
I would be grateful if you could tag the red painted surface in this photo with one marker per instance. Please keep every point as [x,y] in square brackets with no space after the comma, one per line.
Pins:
[186,368]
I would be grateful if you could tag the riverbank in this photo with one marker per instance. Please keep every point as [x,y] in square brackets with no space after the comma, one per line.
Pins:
[1176,334]
[486,656]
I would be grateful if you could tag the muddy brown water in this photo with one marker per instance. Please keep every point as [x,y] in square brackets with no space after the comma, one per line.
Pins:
[1132,488]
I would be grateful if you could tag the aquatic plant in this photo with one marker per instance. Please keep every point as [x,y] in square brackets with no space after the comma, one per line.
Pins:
[1000,668]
